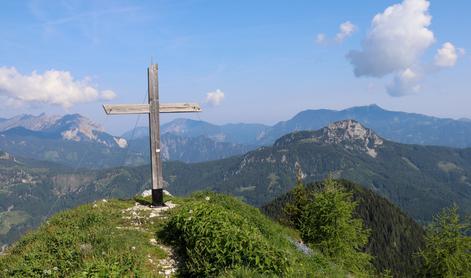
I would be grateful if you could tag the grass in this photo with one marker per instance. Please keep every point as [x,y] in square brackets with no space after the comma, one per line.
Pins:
[95,240]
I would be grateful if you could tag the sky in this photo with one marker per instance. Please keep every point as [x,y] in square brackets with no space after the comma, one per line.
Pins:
[243,61]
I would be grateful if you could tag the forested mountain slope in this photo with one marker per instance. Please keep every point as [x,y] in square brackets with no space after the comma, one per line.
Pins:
[419,179]
[394,239]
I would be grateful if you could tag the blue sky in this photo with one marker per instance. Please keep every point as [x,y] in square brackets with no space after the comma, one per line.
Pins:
[265,57]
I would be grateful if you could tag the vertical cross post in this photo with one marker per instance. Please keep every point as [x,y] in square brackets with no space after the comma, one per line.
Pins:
[154,132]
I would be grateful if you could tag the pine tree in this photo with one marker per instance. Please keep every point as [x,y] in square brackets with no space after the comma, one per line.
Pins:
[325,220]
[447,252]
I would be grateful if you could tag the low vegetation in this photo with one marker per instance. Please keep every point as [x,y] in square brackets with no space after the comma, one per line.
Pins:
[218,235]
[215,235]
[89,241]
[323,230]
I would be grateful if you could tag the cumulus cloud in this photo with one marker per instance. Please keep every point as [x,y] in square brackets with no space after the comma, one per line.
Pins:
[52,87]
[215,98]
[404,83]
[346,30]
[394,45]
[446,56]
[396,39]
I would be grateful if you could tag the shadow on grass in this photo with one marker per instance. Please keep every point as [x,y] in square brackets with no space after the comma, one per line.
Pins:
[143,201]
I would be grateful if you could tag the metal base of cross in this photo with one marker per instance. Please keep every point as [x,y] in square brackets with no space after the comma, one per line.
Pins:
[158,197]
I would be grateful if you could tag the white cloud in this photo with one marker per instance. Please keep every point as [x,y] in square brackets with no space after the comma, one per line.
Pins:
[51,87]
[446,56]
[394,45]
[395,41]
[215,98]
[404,83]
[107,95]
[346,30]
[320,38]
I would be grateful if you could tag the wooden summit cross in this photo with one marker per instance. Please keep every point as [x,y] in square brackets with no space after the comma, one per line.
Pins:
[153,109]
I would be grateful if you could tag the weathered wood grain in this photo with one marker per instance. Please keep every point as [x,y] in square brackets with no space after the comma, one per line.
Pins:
[123,109]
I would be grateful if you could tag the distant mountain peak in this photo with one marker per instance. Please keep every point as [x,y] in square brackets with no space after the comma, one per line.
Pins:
[30,122]
[353,133]
[349,133]
[371,107]
[348,130]
[70,127]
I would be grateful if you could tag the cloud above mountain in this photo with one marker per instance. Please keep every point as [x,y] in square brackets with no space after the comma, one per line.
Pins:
[346,29]
[51,87]
[394,45]
[215,98]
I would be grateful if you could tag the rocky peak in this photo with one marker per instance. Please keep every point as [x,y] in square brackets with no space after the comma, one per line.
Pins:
[349,133]
[349,130]
[352,135]
[72,127]
[36,123]
[75,127]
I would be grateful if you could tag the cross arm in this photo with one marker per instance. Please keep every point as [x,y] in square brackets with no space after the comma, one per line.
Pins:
[179,107]
[120,109]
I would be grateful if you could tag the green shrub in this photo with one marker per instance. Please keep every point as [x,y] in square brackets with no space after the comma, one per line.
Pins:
[214,238]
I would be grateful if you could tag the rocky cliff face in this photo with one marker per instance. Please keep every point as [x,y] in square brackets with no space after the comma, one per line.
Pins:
[348,133]
[353,135]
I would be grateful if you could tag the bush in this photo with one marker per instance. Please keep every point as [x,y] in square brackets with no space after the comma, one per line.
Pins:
[213,238]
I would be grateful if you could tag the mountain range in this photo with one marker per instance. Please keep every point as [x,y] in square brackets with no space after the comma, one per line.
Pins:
[78,142]
[402,127]
[420,180]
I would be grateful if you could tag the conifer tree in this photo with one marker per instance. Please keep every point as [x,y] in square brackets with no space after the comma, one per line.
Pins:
[325,220]
[447,251]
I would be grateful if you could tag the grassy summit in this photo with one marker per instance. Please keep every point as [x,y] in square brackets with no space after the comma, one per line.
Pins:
[206,234]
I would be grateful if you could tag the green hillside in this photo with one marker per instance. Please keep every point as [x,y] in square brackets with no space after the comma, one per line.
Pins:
[204,235]
[394,239]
